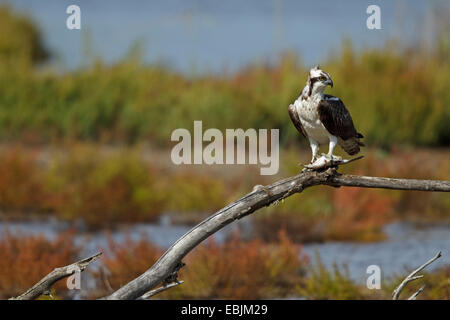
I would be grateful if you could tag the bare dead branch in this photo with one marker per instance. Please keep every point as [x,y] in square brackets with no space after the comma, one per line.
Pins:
[349,180]
[414,296]
[44,285]
[411,277]
[154,292]
[260,197]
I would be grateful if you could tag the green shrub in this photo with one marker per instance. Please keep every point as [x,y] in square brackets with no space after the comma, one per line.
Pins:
[20,40]
[103,191]
[396,96]
[322,283]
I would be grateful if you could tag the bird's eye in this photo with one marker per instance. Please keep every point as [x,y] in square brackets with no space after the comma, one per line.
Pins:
[322,78]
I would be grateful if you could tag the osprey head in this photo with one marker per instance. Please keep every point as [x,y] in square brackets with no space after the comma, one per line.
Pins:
[318,80]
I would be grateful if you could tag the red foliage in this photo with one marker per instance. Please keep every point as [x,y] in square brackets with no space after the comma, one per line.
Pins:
[124,262]
[24,260]
[359,213]
[241,270]
[233,270]
[20,187]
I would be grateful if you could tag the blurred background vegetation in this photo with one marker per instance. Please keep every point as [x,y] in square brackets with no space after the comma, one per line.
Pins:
[93,145]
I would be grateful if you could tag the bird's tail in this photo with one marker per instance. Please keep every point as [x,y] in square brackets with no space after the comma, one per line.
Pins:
[352,145]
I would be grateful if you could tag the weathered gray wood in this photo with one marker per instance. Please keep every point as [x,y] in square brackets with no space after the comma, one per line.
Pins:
[154,292]
[44,285]
[169,263]
[415,294]
[411,277]
[390,183]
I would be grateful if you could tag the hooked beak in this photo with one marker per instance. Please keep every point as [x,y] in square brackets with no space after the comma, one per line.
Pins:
[330,82]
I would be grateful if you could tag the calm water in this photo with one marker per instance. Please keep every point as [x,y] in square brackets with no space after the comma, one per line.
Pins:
[218,36]
[406,247]
[222,36]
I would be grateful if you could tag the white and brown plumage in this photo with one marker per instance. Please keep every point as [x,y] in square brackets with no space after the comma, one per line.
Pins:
[323,118]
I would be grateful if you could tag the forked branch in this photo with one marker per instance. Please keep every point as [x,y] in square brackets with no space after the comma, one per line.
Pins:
[44,285]
[413,276]
[169,263]
[165,270]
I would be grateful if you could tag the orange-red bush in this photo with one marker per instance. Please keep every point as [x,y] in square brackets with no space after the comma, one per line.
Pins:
[124,262]
[359,214]
[242,270]
[233,270]
[20,188]
[24,260]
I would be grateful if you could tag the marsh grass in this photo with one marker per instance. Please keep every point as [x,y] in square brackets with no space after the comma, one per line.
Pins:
[234,270]
[396,95]
[105,188]
[25,259]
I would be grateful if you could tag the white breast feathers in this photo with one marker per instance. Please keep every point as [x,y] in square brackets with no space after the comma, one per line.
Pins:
[309,117]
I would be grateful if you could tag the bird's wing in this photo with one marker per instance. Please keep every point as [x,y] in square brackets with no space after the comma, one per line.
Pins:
[336,118]
[296,120]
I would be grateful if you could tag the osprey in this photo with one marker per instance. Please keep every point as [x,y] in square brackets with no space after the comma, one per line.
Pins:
[322,118]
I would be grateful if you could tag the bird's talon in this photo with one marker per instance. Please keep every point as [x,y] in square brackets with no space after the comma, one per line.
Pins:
[314,159]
